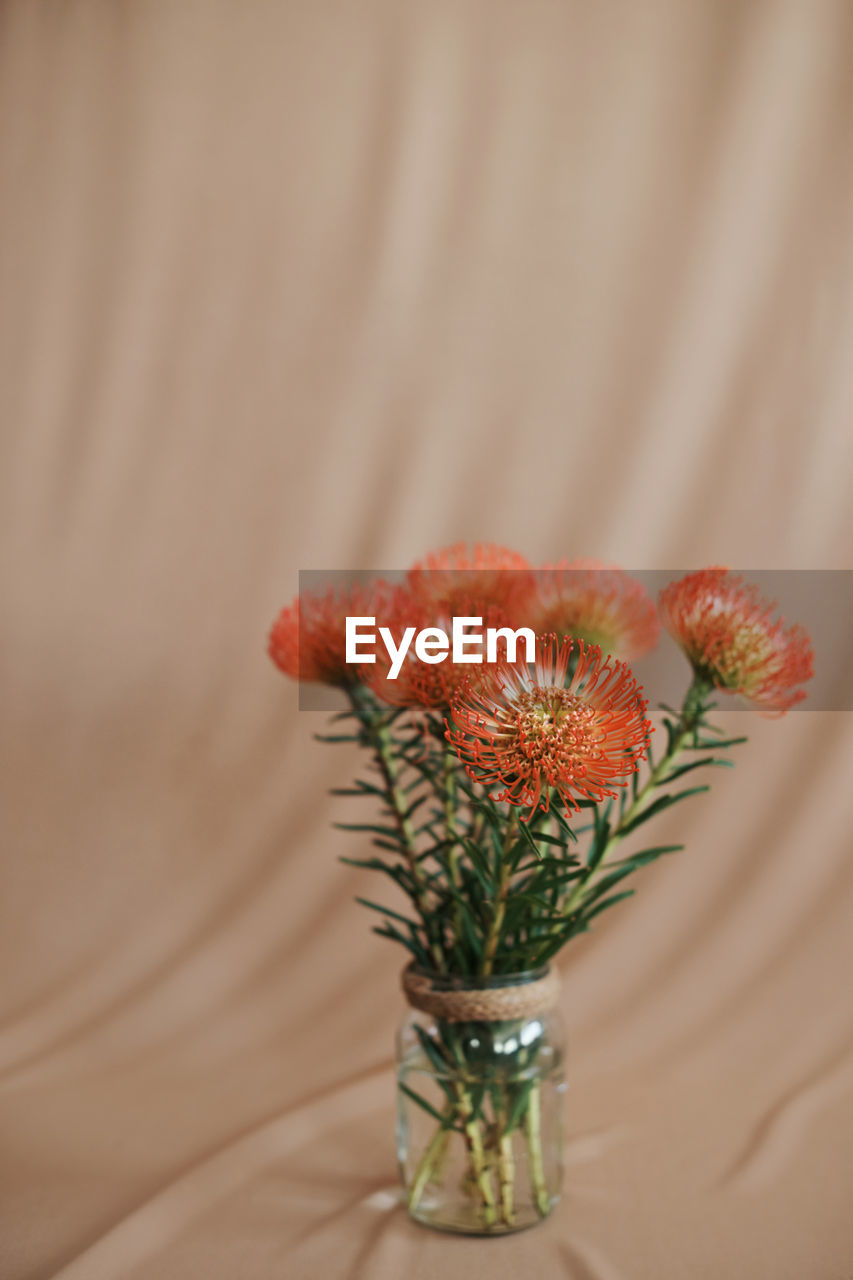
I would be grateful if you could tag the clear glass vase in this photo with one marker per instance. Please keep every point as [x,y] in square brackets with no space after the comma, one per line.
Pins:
[479,1111]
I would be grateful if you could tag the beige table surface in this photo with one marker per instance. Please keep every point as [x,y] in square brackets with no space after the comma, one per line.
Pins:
[294,285]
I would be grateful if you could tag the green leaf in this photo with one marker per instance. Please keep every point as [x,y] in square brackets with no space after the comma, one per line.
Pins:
[431,1049]
[696,764]
[415,805]
[369,864]
[452,894]
[411,944]
[601,836]
[557,941]
[397,871]
[657,806]
[529,838]
[367,828]
[526,898]
[549,862]
[546,838]
[471,937]
[607,882]
[479,864]
[672,711]
[562,822]
[519,1105]
[392,846]
[358,788]
[478,1097]
[564,877]
[387,911]
[346,714]
[645,856]
[444,1121]
[608,902]
[712,728]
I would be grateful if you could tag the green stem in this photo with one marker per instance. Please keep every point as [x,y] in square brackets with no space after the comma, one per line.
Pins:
[449,779]
[450,802]
[533,1134]
[691,715]
[506,1169]
[478,827]
[429,1160]
[380,739]
[474,1138]
[473,1134]
[476,1155]
[506,1164]
[505,875]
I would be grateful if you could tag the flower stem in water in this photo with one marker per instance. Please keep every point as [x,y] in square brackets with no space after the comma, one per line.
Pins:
[429,1161]
[533,1131]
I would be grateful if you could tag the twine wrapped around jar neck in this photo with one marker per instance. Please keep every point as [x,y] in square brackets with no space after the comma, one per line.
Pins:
[484,1003]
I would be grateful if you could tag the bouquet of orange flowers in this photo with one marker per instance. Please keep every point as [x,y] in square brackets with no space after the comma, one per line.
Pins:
[505,789]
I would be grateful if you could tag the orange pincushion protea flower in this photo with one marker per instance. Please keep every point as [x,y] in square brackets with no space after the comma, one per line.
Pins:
[484,557]
[599,605]
[308,638]
[529,731]
[484,581]
[726,630]
[481,580]
[428,685]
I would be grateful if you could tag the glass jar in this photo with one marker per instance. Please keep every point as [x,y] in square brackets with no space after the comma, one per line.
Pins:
[480,1099]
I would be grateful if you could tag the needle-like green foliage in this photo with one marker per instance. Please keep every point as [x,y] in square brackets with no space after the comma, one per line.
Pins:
[488,894]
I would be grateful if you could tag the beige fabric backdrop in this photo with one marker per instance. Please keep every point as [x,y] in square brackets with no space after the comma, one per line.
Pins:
[292,285]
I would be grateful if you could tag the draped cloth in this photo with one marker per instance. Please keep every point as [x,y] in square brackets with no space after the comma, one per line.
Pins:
[323,285]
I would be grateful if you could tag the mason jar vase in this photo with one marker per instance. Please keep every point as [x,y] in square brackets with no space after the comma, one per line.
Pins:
[480,1088]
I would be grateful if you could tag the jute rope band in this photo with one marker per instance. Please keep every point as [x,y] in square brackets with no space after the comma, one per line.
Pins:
[482,1004]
